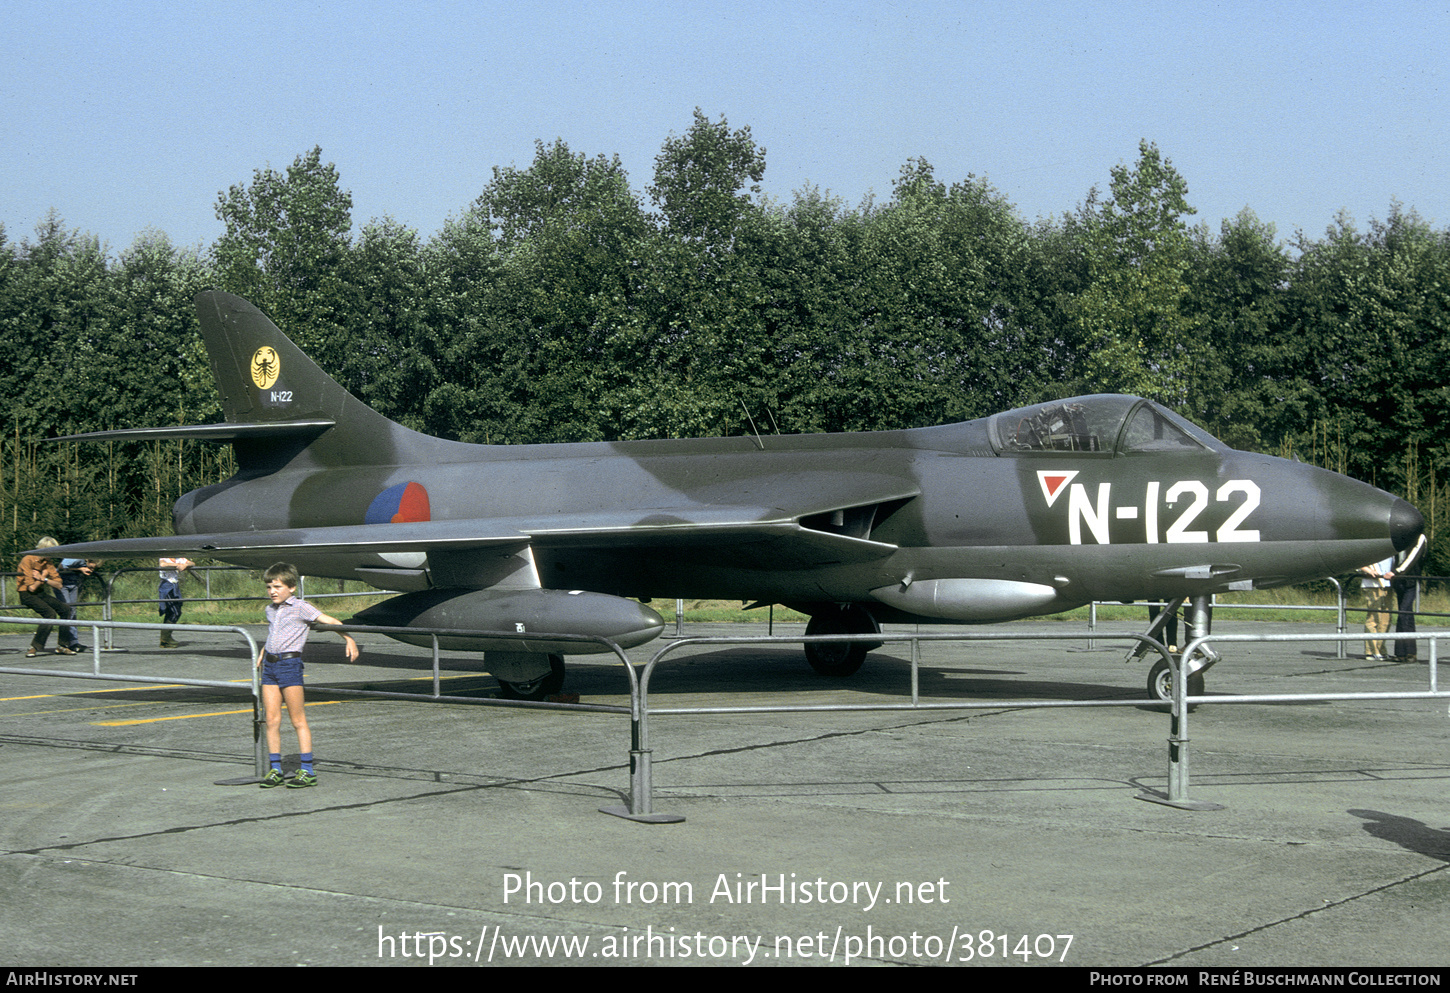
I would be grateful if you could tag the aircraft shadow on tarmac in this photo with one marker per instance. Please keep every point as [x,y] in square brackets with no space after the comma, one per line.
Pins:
[1408,833]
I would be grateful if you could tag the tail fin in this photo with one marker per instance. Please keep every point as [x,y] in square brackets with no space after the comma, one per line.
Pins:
[285,405]
[260,374]
[280,408]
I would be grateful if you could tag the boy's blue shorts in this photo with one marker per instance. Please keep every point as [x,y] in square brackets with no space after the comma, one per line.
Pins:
[283,672]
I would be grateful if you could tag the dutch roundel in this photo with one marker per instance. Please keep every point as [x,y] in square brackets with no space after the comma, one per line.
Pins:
[398,504]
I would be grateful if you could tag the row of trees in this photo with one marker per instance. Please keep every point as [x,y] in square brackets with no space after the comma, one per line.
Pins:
[563,305]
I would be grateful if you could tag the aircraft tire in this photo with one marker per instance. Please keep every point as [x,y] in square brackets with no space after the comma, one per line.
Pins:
[536,689]
[1160,683]
[844,658]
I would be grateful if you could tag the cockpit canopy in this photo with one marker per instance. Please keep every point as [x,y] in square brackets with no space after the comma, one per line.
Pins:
[1106,423]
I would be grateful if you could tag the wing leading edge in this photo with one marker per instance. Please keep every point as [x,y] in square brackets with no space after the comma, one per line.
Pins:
[721,529]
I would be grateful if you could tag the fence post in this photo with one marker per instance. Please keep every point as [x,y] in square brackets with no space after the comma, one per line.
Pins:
[1343,600]
[108,613]
[916,671]
[640,799]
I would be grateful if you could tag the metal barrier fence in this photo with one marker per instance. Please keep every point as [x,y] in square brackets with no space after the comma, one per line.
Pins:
[640,793]
[641,803]
[437,694]
[641,784]
[254,683]
[258,722]
[1341,609]
[1178,741]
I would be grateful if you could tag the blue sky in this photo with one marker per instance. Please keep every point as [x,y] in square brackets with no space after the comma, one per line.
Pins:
[128,116]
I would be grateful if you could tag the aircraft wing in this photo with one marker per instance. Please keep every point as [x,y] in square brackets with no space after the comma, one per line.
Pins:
[722,529]
[788,543]
[421,536]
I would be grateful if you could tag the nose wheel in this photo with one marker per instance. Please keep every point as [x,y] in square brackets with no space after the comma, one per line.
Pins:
[1160,683]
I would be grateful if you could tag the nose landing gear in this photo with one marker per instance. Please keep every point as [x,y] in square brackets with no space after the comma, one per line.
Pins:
[1198,622]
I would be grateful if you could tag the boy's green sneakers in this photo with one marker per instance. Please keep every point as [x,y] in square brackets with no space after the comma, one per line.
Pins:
[271,779]
[301,779]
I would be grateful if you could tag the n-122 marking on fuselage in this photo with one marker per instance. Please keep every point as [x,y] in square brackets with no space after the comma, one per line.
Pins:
[1081,509]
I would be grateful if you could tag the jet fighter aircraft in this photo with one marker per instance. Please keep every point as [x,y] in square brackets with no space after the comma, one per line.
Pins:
[1027,512]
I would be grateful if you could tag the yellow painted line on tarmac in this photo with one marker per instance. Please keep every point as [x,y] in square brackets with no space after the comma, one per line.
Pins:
[429,679]
[121,689]
[187,717]
[172,686]
[71,710]
[179,717]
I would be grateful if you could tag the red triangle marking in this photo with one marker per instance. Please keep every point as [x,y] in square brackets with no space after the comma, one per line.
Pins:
[1053,482]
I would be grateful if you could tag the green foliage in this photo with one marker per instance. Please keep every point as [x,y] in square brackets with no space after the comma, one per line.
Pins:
[1135,334]
[99,343]
[1368,313]
[1248,382]
[386,313]
[701,181]
[287,236]
[530,284]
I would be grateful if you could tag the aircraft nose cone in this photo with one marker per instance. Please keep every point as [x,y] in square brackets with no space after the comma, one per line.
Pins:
[1405,524]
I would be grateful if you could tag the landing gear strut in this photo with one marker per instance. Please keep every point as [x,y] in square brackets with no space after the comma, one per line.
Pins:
[1198,620]
[845,657]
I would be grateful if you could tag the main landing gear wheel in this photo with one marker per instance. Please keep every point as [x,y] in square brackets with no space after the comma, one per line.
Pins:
[845,657]
[536,689]
[1160,683]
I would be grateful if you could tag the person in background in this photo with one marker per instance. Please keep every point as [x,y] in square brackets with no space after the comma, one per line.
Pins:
[1376,586]
[1169,631]
[39,584]
[168,596]
[1405,585]
[73,573]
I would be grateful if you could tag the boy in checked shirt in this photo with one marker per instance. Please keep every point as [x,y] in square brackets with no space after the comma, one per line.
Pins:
[288,622]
